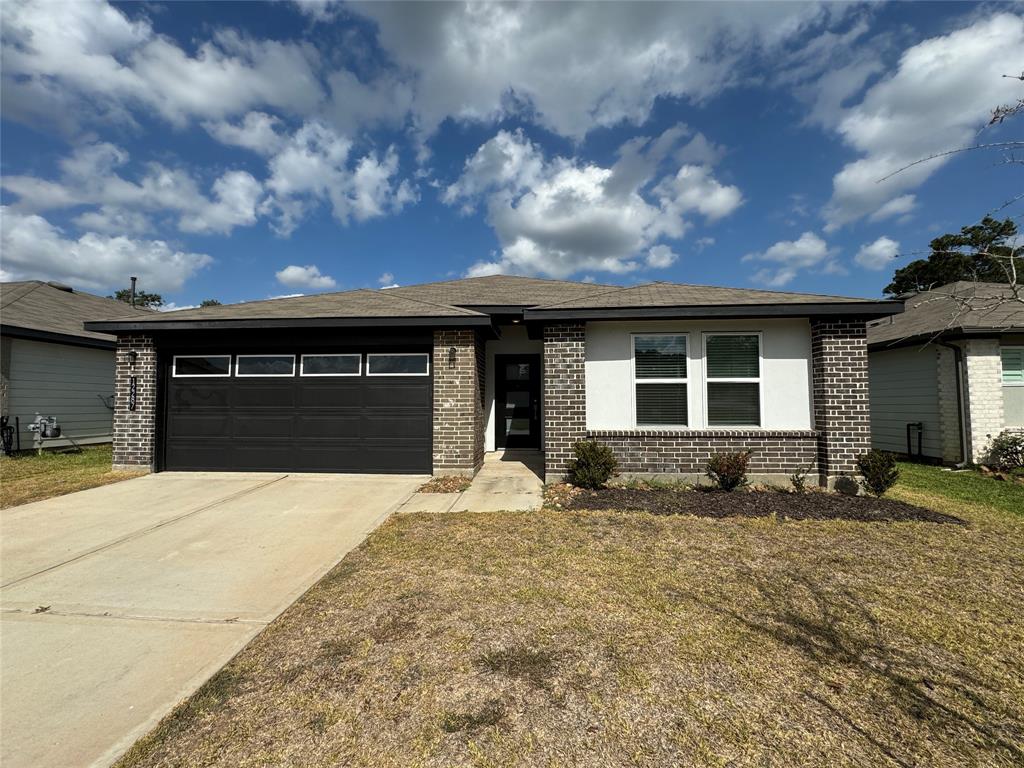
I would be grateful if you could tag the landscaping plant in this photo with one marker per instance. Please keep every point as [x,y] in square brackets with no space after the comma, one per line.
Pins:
[879,470]
[1006,452]
[594,465]
[729,470]
[799,478]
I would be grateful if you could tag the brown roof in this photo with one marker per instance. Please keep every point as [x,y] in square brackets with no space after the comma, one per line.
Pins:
[500,290]
[37,306]
[675,294]
[961,307]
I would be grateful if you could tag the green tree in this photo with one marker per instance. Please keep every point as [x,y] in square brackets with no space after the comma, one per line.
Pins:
[142,299]
[979,253]
[209,303]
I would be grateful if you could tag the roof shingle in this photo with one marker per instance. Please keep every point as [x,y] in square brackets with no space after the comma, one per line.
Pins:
[38,306]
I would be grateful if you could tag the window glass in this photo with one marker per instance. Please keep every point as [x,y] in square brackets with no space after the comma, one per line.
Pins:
[1013,365]
[734,404]
[660,357]
[397,365]
[661,405]
[265,365]
[331,365]
[202,365]
[732,357]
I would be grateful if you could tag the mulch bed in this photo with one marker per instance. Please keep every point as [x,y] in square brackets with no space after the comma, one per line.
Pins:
[785,506]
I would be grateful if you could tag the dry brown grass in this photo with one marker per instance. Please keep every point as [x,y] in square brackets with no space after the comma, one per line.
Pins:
[609,639]
[446,484]
[29,477]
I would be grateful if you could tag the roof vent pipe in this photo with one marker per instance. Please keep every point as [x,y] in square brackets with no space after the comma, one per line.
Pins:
[132,299]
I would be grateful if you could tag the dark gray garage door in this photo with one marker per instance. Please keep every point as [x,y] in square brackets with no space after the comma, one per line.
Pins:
[299,413]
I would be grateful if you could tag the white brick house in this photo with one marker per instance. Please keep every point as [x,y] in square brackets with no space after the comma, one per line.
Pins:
[947,375]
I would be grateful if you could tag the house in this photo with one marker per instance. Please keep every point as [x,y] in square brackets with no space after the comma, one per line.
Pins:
[427,378]
[947,375]
[51,366]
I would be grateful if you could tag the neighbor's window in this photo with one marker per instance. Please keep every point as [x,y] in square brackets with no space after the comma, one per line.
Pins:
[331,365]
[660,381]
[398,364]
[265,365]
[733,372]
[202,365]
[1013,366]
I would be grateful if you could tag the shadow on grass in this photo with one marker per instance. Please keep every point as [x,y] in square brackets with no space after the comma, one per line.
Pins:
[833,627]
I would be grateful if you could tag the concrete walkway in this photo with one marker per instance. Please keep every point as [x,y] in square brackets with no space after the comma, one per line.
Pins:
[508,481]
[118,602]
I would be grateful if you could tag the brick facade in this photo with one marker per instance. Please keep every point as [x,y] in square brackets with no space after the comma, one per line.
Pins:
[839,373]
[983,395]
[134,430]
[775,452]
[458,362]
[565,395]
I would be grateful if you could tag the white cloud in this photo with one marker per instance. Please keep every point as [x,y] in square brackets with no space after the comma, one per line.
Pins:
[34,248]
[562,216]
[942,90]
[484,61]
[257,131]
[387,280]
[173,307]
[660,257]
[237,195]
[113,220]
[92,56]
[877,255]
[898,206]
[703,242]
[787,257]
[307,277]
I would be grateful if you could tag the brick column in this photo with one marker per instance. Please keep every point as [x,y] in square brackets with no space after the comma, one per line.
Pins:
[983,395]
[565,395]
[458,402]
[134,430]
[839,367]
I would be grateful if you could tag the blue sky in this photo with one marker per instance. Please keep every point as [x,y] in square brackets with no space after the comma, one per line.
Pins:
[246,150]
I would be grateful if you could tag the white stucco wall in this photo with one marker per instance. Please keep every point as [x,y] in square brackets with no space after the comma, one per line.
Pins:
[785,373]
[513,341]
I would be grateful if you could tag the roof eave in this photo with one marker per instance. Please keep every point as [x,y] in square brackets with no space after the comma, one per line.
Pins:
[946,334]
[124,326]
[53,337]
[872,309]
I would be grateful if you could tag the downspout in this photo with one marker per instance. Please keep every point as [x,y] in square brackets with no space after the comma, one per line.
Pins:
[958,363]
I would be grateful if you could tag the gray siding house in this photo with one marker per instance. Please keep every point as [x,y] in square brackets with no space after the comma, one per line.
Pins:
[51,366]
[947,375]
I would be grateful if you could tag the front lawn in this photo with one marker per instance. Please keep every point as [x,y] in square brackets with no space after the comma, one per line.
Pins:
[30,477]
[617,638]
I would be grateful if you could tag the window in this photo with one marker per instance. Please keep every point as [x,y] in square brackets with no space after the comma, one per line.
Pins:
[733,377]
[660,382]
[201,365]
[398,364]
[331,365]
[1013,366]
[265,365]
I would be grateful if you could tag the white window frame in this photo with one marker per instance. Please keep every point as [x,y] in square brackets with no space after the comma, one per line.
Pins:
[176,375]
[302,364]
[686,380]
[1020,349]
[734,379]
[397,354]
[238,375]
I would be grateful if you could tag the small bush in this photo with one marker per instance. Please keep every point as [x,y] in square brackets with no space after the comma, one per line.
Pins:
[729,470]
[593,466]
[799,478]
[1006,451]
[879,470]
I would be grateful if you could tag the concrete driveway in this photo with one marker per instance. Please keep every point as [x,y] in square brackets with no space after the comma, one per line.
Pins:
[118,602]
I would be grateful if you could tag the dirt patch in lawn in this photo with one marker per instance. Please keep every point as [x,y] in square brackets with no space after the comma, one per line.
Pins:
[784,506]
[446,484]
[600,639]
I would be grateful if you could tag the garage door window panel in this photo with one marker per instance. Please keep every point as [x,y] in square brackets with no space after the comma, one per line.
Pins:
[201,366]
[264,366]
[398,364]
[331,365]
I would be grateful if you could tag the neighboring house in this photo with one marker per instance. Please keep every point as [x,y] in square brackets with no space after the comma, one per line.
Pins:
[426,378]
[51,366]
[952,365]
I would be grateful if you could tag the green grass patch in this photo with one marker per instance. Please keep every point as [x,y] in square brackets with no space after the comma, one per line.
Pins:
[30,477]
[966,486]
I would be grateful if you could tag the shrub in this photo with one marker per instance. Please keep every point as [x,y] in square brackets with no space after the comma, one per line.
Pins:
[879,470]
[1006,451]
[593,466]
[799,478]
[729,470]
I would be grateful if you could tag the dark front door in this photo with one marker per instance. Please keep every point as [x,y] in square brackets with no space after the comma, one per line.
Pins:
[517,401]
